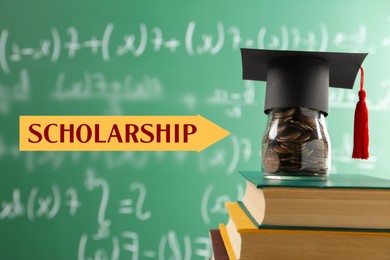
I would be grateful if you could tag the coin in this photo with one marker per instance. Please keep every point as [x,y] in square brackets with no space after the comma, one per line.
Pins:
[310,121]
[301,125]
[280,149]
[298,142]
[302,138]
[271,162]
[288,135]
[282,127]
[291,166]
[284,112]
[286,119]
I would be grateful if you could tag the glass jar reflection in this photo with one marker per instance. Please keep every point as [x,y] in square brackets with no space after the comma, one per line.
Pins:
[296,145]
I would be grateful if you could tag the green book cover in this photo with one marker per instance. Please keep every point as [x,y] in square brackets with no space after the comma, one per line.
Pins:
[262,226]
[348,181]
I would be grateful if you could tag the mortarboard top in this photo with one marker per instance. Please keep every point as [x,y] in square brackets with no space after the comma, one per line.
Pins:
[300,78]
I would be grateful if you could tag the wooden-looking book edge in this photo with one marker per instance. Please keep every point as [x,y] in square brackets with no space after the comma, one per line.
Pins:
[219,250]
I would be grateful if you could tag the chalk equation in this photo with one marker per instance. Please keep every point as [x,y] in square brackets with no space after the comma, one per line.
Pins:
[127,245]
[17,91]
[347,99]
[232,102]
[213,201]
[47,203]
[96,85]
[126,206]
[194,41]
[40,204]
[50,202]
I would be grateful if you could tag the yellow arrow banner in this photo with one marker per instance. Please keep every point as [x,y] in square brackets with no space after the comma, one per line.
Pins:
[117,133]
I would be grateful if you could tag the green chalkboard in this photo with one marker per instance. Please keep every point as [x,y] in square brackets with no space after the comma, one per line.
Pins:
[164,57]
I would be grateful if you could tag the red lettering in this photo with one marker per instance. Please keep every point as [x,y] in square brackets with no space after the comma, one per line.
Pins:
[167,131]
[177,133]
[131,133]
[97,135]
[78,133]
[188,132]
[36,133]
[46,133]
[147,132]
[117,133]
[63,130]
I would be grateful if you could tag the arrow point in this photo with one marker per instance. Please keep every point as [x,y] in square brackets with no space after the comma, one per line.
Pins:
[210,133]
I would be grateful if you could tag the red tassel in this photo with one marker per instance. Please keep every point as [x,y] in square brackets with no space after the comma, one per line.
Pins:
[361,138]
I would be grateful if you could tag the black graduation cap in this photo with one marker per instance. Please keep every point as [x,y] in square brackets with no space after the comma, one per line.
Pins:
[300,78]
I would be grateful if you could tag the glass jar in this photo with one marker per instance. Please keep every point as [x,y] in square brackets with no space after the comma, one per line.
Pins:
[296,145]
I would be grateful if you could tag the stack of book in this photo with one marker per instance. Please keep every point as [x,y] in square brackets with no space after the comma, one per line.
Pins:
[345,217]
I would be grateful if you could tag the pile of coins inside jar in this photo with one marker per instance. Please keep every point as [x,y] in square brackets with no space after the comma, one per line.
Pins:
[295,143]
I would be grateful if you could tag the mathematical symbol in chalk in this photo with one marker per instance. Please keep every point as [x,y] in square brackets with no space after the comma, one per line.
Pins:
[133,246]
[73,45]
[126,206]
[157,40]
[94,44]
[218,158]
[127,46]
[47,205]
[234,112]
[172,44]
[208,41]
[73,203]
[27,51]
[149,254]
[44,49]
[129,43]
[219,207]
[44,204]
[14,208]
[235,96]
[15,56]
[249,43]
[207,44]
